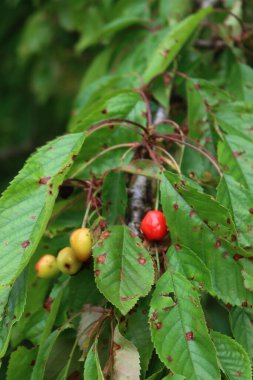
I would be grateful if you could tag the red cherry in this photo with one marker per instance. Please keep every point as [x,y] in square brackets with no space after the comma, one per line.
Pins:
[153,225]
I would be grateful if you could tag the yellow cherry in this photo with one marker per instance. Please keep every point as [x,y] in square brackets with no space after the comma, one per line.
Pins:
[81,243]
[67,261]
[47,267]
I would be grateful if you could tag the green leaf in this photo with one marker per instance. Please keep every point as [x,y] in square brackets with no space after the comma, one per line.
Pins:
[172,43]
[179,330]
[13,310]
[144,167]
[123,267]
[116,104]
[183,260]
[55,297]
[240,82]
[247,273]
[114,197]
[126,358]
[234,361]
[138,332]
[43,354]
[26,205]
[236,154]
[242,328]
[239,201]
[92,368]
[21,363]
[236,119]
[200,223]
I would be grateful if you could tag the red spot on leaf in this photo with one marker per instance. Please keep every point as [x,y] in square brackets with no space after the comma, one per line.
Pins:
[175,206]
[132,234]
[48,303]
[105,235]
[238,374]
[101,258]
[141,259]
[237,257]
[44,180]
[233,238]
[189,336]
[97,272]
[217,244]
[25,244]
[178,247]
[154,316]
[192,213]
[158,325]
[251,211]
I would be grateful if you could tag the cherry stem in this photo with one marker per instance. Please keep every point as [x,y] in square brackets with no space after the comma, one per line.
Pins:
[113,122]
[87,163]
[152,154]
[171,162]
[208,156]
[88,205]
[149,114]
[170,122]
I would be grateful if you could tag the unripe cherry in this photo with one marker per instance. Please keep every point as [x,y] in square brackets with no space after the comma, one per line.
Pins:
[81,243]
[67,261]
[153,225]
[47,267]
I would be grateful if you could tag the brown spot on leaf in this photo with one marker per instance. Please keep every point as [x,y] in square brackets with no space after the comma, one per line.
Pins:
[237,257]
[74,157]
[144,312]
[97,272]
[25,244]
[251,211]
[158,325]
[132,234]
[141,259]
[233,238]
[32,362]
[217,244]
[101,258]
[154,316]
[165,52]
[228,221]
[192,213]
[175,206]
[44,180]
[48,303]
[170,358]
[238,374]
[104,111]
[244,304]
[178,247]
[105,235]
[189,336]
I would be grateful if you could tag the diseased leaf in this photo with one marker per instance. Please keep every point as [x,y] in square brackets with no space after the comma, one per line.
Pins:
[236,155]
[114,197]
[116,104]
[21,363]
[239,201]
[126,358]
[200,223]
[172,43]
[183,260]
[234,361]
[91,319]
[26,205]
[247,273]
[179,330]
[123,267]
[13,310]
[138,332]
